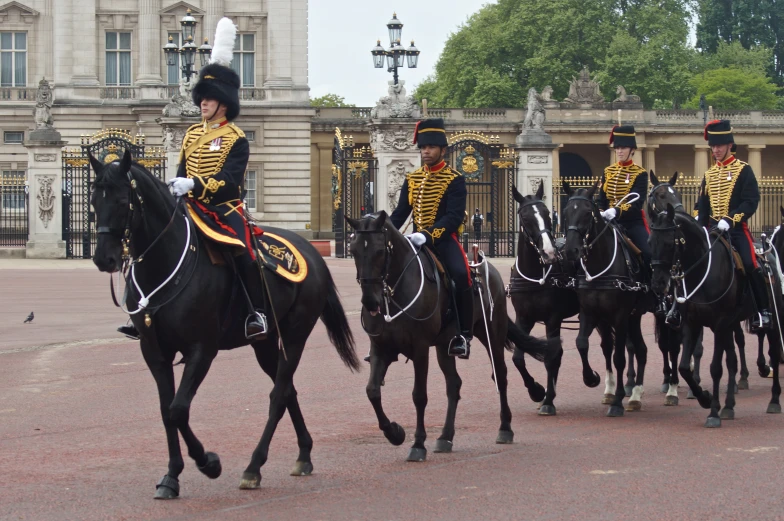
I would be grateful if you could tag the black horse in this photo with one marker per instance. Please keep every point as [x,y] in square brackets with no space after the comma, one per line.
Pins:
[405,310]
[711,292]
[541,291]
[606,291]
[197,313]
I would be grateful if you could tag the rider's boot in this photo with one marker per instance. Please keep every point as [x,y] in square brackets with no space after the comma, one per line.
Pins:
[460,345]
[674,319]
[129,330]
[256,322]
[762,319]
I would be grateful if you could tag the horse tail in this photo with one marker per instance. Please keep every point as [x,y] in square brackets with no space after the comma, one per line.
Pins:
[541,349]
[339,332]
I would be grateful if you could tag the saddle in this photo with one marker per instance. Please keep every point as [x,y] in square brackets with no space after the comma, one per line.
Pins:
[736,260]
[632,255]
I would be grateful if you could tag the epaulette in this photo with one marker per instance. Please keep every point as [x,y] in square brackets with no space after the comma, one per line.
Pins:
[237,129]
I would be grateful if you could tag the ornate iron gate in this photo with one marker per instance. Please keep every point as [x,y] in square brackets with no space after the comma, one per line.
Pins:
[78,177]
[14,199]
[353,186]
[489,169]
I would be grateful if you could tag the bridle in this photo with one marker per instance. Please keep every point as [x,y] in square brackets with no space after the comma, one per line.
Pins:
[534,241]
[652,201]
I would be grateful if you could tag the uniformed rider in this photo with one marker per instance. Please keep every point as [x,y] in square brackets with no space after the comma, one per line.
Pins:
[436,194]
[729,196]
[624,186]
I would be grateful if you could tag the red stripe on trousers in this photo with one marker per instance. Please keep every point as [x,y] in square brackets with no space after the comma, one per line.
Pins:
[465,259]
[751,244]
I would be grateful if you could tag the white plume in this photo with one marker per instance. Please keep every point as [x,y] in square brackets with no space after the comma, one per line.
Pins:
[223,48]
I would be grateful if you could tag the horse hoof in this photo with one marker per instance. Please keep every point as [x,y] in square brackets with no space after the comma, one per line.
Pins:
[211,469]
[167,488]
[671,400]
[608,399]
[615,411]
[593,380]
[633,406]
[774,408]
[705,400]
[395,434]
[628,389]
[766,372]
[443,446]
[727,414]
[665,388]
[504,437]
[712,422]
[743,384]
[250,481]
[547,410]
[302,468]
[536,392]
[417,454]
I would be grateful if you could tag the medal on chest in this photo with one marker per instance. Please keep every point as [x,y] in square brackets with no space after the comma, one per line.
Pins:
[216,144]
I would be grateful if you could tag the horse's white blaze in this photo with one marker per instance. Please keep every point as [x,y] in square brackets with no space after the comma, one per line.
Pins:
[673,390]
[637,393]
[670,189]
[609,382]
[547,245]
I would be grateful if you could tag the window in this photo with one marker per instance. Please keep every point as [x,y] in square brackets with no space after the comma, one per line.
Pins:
[13,59]
[174,70]
[118,58]
[13,190]
[244,62]
[250,190]
[14,137]
[250,135]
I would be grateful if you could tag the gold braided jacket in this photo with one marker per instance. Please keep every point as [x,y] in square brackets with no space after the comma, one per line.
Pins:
[426,188]
[618,182]
[208,159]
[719,184]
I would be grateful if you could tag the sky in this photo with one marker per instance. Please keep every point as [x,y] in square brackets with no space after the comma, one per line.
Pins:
[341,34]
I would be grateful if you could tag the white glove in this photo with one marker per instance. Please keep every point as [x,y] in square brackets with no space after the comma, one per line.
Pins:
[610,214]
[724,225]
[180,186]
[697,217]
[417,239]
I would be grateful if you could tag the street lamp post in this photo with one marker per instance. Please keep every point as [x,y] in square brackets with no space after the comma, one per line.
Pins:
[397,55]
[188,50]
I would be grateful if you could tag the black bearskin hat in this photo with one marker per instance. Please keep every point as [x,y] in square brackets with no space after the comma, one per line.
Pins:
[623,136]
[430,132]
[718,132]
[217,80]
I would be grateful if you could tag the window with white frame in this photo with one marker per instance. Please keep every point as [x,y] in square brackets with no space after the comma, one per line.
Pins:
[13,190]
[13,59]
[250,190]
[244,62]
[118,58]
[174,70]
[13,137]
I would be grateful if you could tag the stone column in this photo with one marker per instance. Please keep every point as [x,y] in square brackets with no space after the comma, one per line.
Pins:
[149,38]
[278,43]
[701,160]
[44,175]
[755,159]
[649,157]
[535,163]
[392,142]
[173,131]
[213,11]
[46,44]
[62,45]
[84,29]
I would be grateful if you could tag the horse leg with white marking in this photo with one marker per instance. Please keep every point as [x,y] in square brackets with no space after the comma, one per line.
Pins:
[641,356]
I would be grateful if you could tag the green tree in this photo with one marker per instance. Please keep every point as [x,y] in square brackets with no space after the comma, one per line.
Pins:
[734,89]
[330,100]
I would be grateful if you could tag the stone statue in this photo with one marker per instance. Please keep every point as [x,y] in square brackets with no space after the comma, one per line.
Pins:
[584,89]
[547,93]
[181,104]
[623,97]
[396,104]
[42,113]
[396,174]
[534,118]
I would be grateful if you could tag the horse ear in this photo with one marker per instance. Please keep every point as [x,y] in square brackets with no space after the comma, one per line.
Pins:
[540,190]
[674,178]
[565,188]
[517,196]
[380,220]
[653,178]
[592,190]
[97,165]
[781,209]
[354,223]
[125,163]
[670,212]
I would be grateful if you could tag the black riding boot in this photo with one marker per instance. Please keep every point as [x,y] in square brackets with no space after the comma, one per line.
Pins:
[762,319]
[460,345]
[129,330]
[256,323]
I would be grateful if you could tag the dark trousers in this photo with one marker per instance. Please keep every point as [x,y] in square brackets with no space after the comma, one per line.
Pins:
[741,240]
[454,259]
[638,233]
[477,232]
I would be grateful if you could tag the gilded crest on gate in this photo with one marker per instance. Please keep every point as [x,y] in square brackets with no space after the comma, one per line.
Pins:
[470,164]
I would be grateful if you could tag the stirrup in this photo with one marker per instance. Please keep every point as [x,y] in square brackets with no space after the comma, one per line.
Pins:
[256,326]
[460,347]
[674,319]
[761,321]
[130,331]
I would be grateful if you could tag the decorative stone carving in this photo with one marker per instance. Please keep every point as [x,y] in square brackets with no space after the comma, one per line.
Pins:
[534,184]
[396,176]
[547,93]
[181,104]
[623,97]
[46,199]
[42,112]
[534,118]
[584,89]
[537,160]
[396,104]
[172,138]
[397,140]
[46,158]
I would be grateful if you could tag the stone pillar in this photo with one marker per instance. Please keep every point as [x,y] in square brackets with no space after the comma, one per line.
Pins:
[701,160]
[755,159]
[213,11]
[392,142]
[84,29]
[149,38]
[46,44]
[649,157]
[278,43]
[62,45]
[44,175]
[173,131]
[535,163]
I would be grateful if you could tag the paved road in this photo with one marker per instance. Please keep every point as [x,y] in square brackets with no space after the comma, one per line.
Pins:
[81,438]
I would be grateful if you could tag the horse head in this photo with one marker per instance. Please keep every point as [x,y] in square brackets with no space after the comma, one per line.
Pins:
[662,194]
[666,243]
[778,237]
[535,223]
[579,216]
[371,246]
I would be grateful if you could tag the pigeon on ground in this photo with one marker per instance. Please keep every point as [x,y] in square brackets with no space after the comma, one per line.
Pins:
[29,318]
